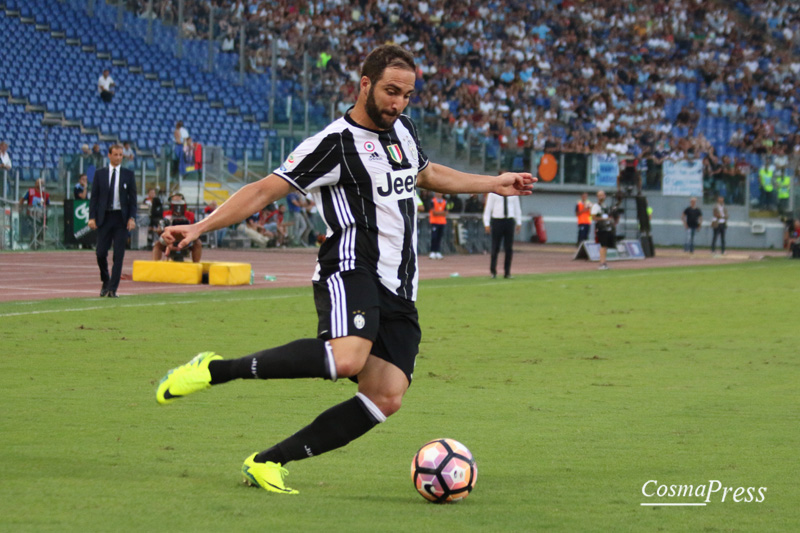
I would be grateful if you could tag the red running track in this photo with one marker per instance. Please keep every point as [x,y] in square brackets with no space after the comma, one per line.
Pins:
[74,274]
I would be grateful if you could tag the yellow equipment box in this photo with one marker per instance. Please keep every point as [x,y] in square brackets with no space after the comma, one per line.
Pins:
[216,273]
[224,273]
[168,272]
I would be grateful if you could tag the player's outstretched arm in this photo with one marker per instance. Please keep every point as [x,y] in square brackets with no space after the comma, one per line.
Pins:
[245,202]
[448,180]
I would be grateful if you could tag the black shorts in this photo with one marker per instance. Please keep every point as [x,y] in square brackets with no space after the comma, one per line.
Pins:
[356,303]
[607,239]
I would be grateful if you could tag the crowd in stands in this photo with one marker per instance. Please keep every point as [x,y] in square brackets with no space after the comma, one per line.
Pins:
[557,74]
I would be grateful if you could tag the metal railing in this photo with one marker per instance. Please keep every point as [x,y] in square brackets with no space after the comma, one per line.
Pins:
[25,227]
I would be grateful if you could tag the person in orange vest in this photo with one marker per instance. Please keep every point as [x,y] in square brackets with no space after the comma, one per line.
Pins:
[438,221]
[583,209]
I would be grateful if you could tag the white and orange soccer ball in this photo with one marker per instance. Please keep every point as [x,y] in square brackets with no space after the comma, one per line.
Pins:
[444,470]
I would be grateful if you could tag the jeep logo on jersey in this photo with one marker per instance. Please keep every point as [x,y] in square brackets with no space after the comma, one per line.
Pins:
[395,153]
[397,185]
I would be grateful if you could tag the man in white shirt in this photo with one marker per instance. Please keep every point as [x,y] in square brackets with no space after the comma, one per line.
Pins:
[105,86]
[5,159]
[502,218]
[604,226]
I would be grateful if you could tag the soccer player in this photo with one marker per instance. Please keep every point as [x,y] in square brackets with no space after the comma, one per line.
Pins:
[362,170]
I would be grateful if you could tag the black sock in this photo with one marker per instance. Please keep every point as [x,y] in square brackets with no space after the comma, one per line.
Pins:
[330,430]
[304,358]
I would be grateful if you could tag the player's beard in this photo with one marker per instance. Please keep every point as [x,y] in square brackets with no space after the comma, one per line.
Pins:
[376,115]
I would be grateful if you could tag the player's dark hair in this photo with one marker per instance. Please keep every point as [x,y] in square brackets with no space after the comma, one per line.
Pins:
[112,146]
[386,56]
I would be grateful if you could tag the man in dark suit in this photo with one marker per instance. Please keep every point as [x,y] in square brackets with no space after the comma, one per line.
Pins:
[112,212]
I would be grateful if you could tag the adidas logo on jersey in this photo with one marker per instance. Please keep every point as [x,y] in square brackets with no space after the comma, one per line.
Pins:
[374,156]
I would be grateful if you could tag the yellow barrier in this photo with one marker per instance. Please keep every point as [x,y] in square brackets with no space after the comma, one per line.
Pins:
[168,272]
[217,273]
[228,273]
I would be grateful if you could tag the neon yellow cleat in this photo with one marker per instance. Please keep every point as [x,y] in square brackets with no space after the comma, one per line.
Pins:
[186,379]
[267,475]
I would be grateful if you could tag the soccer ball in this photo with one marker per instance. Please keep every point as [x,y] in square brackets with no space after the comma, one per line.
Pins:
[444,470]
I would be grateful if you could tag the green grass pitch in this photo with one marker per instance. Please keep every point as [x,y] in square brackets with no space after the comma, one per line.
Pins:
[572,391]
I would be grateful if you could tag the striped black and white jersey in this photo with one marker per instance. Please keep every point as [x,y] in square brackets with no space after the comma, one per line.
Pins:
[364,185]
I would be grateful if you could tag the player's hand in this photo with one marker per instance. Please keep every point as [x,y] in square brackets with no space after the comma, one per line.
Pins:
[167,252]
[488,229]
[92,224]
[131,224]
[180,236]
[515,184]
